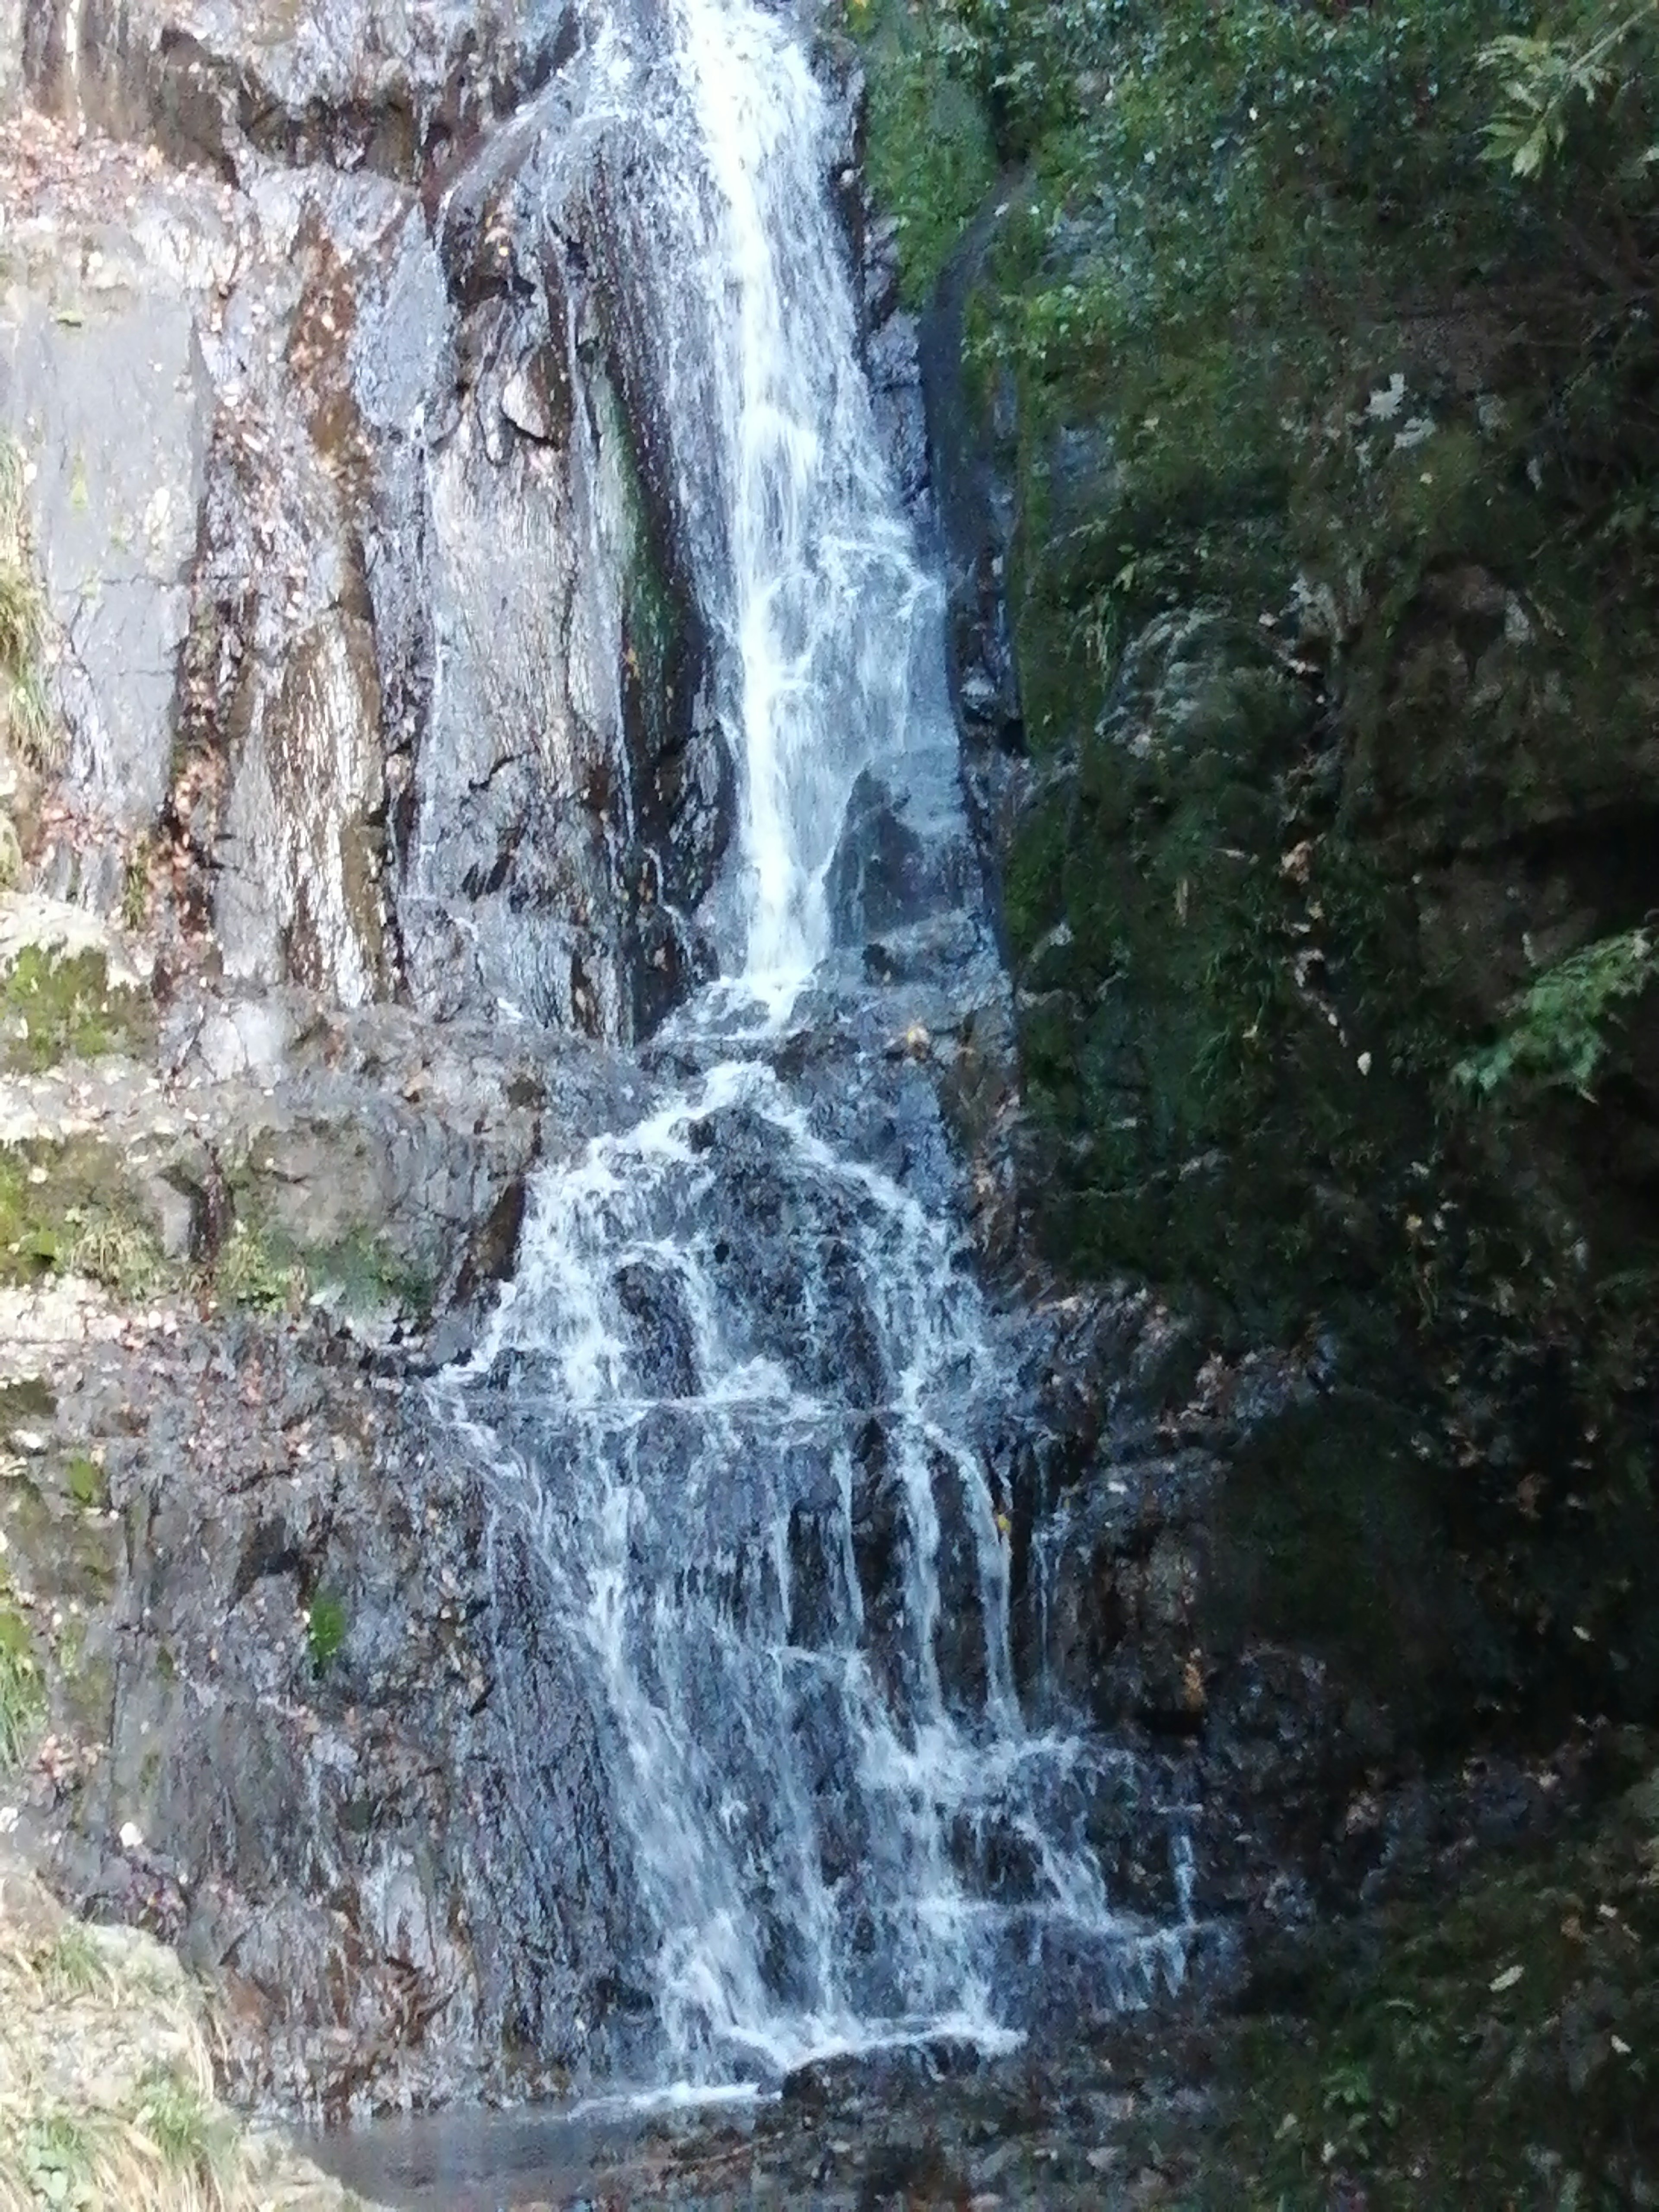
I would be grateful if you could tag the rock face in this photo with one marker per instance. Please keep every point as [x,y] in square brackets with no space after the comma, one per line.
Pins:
[274,1640]
[400,91]
[388,498]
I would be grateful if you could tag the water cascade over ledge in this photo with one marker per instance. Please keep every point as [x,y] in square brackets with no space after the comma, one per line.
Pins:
[744,1392]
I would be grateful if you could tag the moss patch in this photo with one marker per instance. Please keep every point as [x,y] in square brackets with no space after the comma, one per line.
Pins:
[68,1208]
[930,158]
[54,1008]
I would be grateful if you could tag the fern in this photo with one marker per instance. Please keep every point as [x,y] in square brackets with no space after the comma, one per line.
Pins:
[1556,1030]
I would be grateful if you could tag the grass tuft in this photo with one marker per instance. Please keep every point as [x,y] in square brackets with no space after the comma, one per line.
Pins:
[25,718]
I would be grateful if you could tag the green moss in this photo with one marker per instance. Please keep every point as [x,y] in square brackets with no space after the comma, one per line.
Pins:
[23,1693]
[255,1270]
[267,1270]
[366,1272]
[26,722]
[25,1403]
[327,1626]
[68,1209]
[88,1485]
[930,159]
[54,1008]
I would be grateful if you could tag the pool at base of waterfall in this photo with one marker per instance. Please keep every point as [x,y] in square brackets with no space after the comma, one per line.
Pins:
[1094,2125]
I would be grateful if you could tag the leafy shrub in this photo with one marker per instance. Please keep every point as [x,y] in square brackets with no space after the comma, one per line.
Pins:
[1556,1031]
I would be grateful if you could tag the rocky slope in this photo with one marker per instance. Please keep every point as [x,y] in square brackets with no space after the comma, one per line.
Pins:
[106,2079]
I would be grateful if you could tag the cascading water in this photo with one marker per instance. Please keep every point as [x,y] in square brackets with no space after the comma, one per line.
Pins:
[742,1389]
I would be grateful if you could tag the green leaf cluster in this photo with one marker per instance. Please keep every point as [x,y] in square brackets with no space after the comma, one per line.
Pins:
[1556,1030]
[1551,81]
[326,1625]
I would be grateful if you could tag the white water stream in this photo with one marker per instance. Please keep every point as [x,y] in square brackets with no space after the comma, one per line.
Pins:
[741,1383]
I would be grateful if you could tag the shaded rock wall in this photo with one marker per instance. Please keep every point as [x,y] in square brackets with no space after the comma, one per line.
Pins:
[1314,708]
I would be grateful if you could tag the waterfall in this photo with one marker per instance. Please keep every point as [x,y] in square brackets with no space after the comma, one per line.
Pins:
[833,626]
[743,1388]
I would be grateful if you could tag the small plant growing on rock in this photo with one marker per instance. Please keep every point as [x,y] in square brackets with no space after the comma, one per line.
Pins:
[1556,1030]
[25,720]
[22,1695]
[135,885]
[74,1966]
[58,2160]
[176,2118]
[120,1254]
[249,1274]
[325,1631]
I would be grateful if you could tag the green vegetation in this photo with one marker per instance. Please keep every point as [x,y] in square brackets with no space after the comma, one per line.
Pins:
[88,1485]
[1319,385]
[106,2079]
[67,1209]
[58,2160]
[1552,85]
[55,1006]
[363,1273]
[1495,2048]
[136,884]
[74,1208]
[192,2137]
[931,160]
[74,1966]
[22,1693]
[25,720]
[249,1271]
[1556,1031]
[327,1626]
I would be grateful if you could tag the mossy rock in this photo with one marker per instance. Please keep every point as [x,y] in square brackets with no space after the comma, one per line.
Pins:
[929,157]
[1333,1533]
[57,1007]
[71,1208]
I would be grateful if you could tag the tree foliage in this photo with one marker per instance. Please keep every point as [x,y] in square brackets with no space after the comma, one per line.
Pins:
[1549,83]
